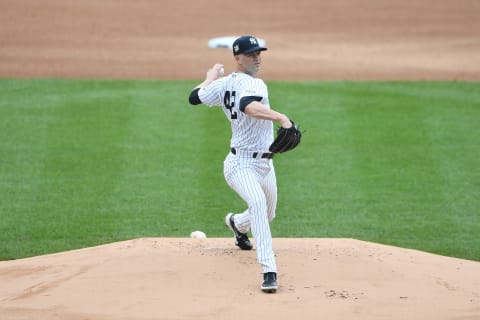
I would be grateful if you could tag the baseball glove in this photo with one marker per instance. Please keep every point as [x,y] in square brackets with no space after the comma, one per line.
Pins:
[287,139]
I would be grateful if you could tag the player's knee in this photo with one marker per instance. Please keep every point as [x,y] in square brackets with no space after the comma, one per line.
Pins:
[259,205]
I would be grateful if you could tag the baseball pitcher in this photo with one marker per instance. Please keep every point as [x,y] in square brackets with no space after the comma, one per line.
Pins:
[248,167]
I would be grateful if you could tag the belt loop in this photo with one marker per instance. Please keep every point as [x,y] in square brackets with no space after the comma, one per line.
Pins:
[233,150]
[255,154]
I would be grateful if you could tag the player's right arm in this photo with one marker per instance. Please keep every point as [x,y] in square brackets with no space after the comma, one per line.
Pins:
[212,75]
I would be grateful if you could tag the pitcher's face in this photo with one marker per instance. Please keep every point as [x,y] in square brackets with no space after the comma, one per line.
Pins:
[250,62]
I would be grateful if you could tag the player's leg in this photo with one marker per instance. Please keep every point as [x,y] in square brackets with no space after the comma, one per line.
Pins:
[269,186]
[246,182]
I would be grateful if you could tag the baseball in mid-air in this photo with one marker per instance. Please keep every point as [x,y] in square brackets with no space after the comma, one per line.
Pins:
[221,71]
[198,234]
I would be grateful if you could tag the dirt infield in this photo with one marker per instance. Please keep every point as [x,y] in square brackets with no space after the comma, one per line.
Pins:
[308,39]
[178,279]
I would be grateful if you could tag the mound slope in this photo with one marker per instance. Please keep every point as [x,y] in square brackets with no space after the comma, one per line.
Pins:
[174,278]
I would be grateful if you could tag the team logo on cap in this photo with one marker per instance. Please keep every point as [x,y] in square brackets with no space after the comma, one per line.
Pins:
[253,41]
[236,48]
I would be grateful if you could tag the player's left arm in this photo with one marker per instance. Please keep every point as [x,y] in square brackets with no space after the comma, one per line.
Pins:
[257,110]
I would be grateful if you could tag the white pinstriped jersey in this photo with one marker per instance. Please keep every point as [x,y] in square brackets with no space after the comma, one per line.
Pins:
[248,133]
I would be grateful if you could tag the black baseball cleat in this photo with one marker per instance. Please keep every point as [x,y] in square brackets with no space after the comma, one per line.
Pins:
[269,284]
[241,239]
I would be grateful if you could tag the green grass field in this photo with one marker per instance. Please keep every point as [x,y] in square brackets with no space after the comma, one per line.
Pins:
[90,162]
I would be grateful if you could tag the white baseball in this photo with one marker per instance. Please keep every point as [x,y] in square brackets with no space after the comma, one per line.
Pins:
[221,71]
[198,234]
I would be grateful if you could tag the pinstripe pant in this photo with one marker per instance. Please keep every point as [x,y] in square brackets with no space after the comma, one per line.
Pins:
[254,180]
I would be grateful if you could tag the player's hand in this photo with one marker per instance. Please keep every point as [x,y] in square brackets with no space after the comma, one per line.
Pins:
[214,72]
[285,122]
[212,75]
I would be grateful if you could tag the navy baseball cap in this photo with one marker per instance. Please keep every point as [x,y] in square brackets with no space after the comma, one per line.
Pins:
[246,44]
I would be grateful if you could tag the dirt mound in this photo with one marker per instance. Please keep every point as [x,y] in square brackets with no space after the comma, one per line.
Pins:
[173,278]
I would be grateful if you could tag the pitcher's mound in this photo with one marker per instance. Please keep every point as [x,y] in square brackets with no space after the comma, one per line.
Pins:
[172,278]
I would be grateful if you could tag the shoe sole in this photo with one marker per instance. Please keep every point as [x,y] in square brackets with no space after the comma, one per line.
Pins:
[228,222]
[229,226]
[269,289]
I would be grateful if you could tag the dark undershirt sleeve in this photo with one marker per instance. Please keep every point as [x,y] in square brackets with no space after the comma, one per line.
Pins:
[245,101]
[194,99]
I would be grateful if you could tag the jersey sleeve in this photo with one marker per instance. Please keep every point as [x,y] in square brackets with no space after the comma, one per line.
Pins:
[211,94]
